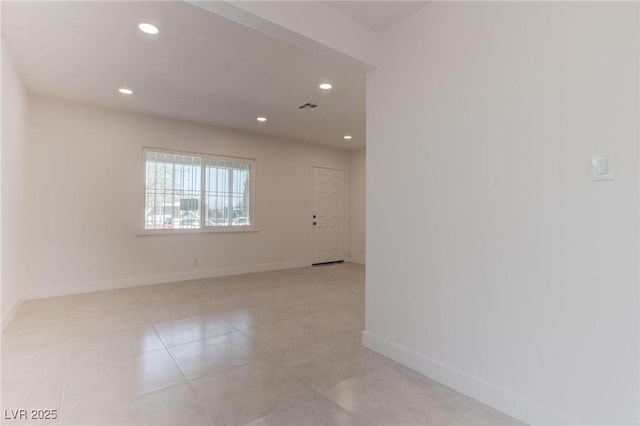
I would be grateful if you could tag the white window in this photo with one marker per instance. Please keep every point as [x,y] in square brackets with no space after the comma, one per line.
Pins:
[186,191]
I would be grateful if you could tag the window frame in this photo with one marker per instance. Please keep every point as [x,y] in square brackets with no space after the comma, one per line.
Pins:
[203,228]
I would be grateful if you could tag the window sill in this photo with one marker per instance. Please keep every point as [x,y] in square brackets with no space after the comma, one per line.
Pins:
[222,230]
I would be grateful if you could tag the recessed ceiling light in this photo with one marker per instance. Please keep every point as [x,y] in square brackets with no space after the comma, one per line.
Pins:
[326,86]
[261,118]
[145,27]
[347,137]
[125,91]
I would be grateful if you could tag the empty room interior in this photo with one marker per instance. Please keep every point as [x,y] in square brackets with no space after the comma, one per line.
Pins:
[394,213]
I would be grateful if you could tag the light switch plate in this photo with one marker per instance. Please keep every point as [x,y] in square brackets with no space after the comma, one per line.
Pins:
[602,167]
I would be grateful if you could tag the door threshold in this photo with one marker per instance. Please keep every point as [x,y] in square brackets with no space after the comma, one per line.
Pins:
[327,263]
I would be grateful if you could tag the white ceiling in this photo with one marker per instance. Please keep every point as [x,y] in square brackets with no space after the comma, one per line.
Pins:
[377,15]
[200,67]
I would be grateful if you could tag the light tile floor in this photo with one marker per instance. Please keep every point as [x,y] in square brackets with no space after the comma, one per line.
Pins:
[273,348]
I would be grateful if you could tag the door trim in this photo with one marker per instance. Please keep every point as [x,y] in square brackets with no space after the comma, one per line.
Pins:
[346,212]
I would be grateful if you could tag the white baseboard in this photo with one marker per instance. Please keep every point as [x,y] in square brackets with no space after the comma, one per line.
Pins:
[9,314]
[88,287]
[475,387]
[359,260]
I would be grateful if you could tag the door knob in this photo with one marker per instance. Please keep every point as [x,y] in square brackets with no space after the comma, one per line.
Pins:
[315,223]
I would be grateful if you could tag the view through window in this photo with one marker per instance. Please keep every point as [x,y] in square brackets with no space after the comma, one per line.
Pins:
[197,191]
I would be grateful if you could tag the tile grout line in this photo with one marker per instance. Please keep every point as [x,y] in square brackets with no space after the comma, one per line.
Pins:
[166,348]
[66,368]
[267,359]
[134,397]
[244,332]
[457,410]
[122,401]
[427,379]
[324,395]
[320,391]
[187,381]
[413,372]
[179,369]
[191,341]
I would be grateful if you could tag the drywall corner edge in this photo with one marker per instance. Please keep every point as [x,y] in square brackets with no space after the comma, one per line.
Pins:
[481,390]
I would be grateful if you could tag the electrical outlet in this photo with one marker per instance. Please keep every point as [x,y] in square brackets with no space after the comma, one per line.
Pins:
[195,262]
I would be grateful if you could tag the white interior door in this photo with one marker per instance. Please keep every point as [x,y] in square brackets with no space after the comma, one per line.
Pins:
[328,215]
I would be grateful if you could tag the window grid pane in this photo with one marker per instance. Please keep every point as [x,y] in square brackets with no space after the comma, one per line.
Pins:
[227,193]
[172,191]
[175,198]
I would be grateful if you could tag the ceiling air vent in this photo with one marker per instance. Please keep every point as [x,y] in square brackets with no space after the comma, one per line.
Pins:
[308,106]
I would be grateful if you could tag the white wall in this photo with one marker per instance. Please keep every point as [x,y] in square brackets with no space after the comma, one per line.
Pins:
[87,185]
[14,106]
[494,263]
[357,204]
